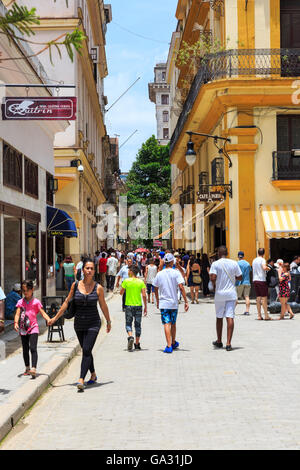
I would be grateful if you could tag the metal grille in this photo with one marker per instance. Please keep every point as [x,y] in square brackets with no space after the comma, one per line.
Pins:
[285,167]
[217,171]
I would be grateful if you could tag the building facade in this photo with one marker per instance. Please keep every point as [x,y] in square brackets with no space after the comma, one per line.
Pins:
[159,94]
[85,143]
[247,90]
[27,251]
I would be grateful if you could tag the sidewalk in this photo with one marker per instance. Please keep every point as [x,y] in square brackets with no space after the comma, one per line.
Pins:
[17,392]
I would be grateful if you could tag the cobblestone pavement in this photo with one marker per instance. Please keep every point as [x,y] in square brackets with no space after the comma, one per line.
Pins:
[195,398]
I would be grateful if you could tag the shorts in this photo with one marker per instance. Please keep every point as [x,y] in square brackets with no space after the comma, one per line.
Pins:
[168,316]
[225,309]
[243,290]
[150,288]
[261,288]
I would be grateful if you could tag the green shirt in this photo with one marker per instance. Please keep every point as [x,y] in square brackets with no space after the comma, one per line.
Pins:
[133,288]
[69,269]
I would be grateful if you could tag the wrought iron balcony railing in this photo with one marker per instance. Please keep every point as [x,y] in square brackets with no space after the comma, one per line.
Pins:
[238,63]
[285,167]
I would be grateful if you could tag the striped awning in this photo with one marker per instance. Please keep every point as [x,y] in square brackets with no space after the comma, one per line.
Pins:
[281,221]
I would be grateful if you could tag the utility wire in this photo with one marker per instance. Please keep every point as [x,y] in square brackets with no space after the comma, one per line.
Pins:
[140,35]
[123,94]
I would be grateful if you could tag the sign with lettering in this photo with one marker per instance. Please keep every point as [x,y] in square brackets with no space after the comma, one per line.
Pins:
[39,109]
[213,196]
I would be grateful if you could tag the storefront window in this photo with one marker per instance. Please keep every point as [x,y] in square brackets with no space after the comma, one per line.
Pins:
[12,252]
[31,252]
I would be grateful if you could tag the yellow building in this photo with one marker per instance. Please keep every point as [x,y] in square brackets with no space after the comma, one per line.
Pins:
[246,89]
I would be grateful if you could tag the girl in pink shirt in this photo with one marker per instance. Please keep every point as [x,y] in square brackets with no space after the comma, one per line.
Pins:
[26,312]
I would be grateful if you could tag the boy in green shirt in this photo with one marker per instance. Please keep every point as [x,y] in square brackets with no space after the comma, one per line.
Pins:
[135,290]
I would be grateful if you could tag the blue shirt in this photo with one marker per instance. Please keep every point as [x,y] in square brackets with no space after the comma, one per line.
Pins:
[245,268]
[123,273]
[10,303]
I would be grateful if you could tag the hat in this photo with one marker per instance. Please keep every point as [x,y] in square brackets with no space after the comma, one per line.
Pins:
[241,254]
[278,263]
[17,287]
[169,258]
[112,254]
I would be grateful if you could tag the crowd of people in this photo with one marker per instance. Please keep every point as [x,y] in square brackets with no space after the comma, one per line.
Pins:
[151,276]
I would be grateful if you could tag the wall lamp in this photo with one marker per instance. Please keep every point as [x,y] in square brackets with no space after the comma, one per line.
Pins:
[77,164]
[191,155]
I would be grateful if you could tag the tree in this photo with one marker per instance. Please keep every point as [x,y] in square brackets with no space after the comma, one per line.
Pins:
[149,180]
[17,24]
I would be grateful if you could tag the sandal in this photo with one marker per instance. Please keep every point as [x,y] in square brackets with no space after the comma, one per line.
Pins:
[27,372]
[32,373]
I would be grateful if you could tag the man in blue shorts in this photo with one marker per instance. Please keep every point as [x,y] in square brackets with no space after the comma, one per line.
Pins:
[166,285]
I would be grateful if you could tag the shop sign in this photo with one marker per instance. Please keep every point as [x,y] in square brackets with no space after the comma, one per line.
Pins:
[41,109]
[212,196]
[157,243]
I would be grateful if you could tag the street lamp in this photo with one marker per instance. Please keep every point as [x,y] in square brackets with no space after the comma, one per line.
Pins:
[190,155]
[77,164]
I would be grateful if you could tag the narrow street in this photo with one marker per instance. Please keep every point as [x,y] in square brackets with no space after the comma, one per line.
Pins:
[194,398]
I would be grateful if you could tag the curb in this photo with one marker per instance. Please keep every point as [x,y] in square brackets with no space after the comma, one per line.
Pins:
[28,394]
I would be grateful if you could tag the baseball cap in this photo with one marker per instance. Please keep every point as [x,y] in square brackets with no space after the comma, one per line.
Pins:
[241,254]
[169,258]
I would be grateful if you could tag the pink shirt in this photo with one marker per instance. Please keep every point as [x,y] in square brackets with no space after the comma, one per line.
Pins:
[31,308]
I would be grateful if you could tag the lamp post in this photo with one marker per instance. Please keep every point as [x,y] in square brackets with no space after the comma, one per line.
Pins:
[191,154]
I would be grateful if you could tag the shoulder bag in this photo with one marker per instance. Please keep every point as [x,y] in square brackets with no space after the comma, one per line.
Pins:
[71,310]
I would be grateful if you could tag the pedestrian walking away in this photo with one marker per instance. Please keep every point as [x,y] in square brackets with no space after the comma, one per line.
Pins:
[70,272]
[272,281]
[205,267]
[243,287]
[26,325]
[193,272]
[150,274]
[284,291]
[260,268]
[223,274]
[122,275]
[112,269]
[166,286]
[87,293]
[135,290]
[102,269]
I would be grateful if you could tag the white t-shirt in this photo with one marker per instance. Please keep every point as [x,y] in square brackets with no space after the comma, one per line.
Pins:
[112,266]
[225,284]
[259,274]
[168,281]
[151,274]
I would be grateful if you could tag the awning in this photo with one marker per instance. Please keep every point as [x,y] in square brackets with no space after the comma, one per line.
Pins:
[60,224]
[281,221]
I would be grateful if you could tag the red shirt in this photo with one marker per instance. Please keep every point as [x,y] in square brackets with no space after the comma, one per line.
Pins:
[102,265]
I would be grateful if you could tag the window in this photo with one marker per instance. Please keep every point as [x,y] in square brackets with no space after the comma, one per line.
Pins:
[31,178]
[217,171]
[290,23]
[165,133]
[163,76]
[288,132]
[164,99]
[12,167]
[165,116]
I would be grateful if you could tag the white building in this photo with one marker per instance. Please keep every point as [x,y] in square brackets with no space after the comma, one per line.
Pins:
[85,141]
[27,169]
[159,93]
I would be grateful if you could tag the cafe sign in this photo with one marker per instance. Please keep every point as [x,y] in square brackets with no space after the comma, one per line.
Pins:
[39,109]
[212,196]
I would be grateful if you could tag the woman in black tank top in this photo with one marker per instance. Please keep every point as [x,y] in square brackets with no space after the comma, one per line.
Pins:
[87,320]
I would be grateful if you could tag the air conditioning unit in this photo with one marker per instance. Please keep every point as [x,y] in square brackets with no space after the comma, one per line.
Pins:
[95,55]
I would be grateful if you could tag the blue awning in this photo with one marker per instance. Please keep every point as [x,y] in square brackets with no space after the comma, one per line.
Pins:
[60,224]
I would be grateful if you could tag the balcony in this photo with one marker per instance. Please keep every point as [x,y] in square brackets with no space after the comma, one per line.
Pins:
[237,64]
[286,171]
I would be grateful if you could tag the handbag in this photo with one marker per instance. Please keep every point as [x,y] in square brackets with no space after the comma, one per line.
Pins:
[24,322]
[71,310]
[196,277]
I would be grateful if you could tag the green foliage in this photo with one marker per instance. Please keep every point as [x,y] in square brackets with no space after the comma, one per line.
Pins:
[20,19]
[149,180]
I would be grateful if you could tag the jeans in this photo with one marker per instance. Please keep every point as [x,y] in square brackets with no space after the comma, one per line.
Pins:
[110,282]
[134,313]
[69,282]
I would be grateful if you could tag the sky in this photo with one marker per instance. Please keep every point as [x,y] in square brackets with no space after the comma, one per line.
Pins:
[129,57]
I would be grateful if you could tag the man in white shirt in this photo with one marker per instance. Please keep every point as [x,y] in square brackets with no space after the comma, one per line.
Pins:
[112,269]
[259,269]
[166,285]
[123,274]
[223,274]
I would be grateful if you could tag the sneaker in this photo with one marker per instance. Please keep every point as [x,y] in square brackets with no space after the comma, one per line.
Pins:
[130,343]
[229,348]
[175,345]
[168,349]
[137,346]
[246,313]
[217,345]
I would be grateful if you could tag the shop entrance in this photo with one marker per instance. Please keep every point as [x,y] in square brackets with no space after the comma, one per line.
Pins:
[217,229]
[284,248]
